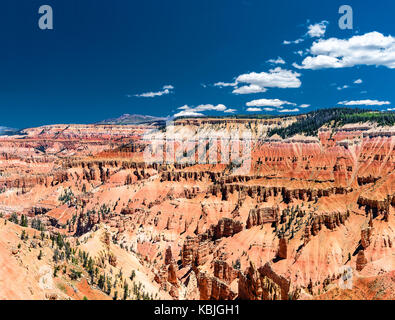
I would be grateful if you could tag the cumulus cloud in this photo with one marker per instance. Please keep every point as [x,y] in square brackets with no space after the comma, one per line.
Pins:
[343,87]
[188,111]
[289,110]
[275,78]
[279,60]
[391,109]
[358,81]
[304,106]
[225,84]
[369,49]
[254,82]
[254,109]
[366,102]
[210,107]
[317,30]
[268,103]
[230,110]
[167,89]
[252,88]
[271,105]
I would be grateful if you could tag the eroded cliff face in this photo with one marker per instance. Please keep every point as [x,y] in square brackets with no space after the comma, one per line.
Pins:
[263,284]
[307,208]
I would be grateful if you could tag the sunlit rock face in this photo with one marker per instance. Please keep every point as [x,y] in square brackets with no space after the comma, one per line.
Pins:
[306,209]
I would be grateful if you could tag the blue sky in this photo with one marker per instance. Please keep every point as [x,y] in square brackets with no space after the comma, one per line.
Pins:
[107,58]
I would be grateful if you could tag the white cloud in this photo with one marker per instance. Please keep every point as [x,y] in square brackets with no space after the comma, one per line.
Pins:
[210,107]
[268,103]
[275,78]
[184,107]
[279,60]
[318,62]
[289,110]
[268,109]
[254,109]
[297,41]
[358,81]
[252,88]
[225,84]
[230,110]
[369,49]
[259,82]
[391,109]
[166,90]
[317,30]
[304,106]
[188,111]
[367,102]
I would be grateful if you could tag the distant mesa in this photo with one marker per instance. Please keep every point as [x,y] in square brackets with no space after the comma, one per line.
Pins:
[5,131]
[126,119]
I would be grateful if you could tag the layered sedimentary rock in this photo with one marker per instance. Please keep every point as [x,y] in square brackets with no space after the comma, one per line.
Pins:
[263,284]
[211,288]
[261,216]
[305,209]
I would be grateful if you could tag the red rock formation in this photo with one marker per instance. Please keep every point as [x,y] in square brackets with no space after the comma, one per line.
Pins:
[261,216]
[202,208]
[168,256]
[366,234]
[172,275]
[282,249]
[226,227]
[263,284]
[211,288]
[189,251]
[224,272]
[361,260]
